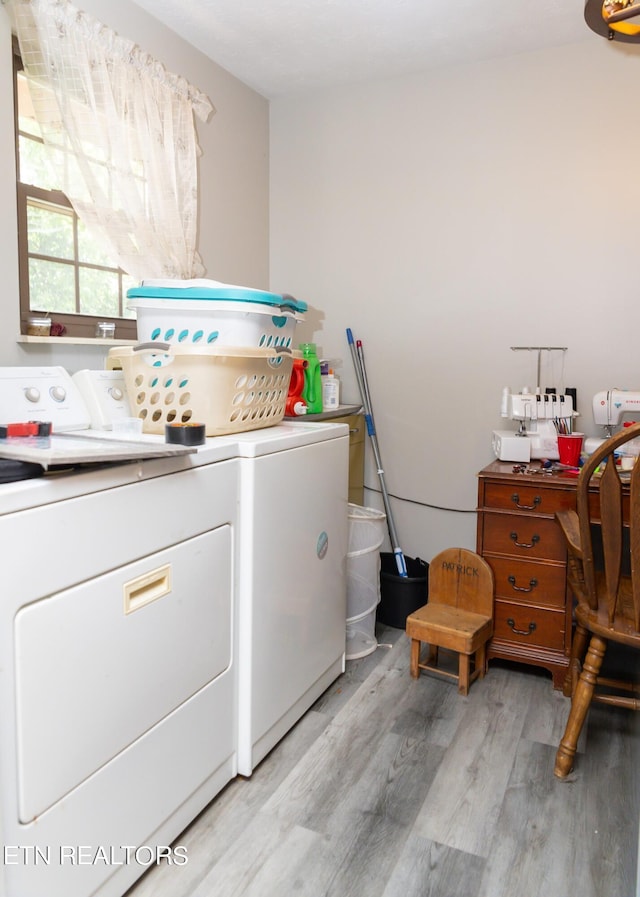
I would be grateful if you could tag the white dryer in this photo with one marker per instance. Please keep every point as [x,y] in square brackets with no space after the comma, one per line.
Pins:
[117,667]
[292,577]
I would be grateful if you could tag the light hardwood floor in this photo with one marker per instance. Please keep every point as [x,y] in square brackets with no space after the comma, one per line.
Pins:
[393,787]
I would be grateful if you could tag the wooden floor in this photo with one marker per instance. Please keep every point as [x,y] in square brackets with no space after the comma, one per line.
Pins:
[392,787]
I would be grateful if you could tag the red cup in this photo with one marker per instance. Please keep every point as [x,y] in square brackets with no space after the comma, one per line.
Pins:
[569,448]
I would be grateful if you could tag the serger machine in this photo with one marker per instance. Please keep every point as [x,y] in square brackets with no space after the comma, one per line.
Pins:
[540,418]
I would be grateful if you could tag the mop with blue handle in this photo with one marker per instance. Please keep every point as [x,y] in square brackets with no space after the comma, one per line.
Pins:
[357,354]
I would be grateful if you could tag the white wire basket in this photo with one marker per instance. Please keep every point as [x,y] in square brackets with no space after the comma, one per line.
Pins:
[229,390]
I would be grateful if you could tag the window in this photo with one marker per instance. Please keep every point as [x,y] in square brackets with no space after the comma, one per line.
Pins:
[119,132]
[63,271]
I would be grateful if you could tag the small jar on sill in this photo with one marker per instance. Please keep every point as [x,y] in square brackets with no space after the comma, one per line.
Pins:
[38,325]
[105,330]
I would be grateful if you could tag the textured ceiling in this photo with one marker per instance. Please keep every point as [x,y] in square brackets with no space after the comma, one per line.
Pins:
[281,47]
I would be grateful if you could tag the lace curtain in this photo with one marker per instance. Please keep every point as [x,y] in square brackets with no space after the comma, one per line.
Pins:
[121,134]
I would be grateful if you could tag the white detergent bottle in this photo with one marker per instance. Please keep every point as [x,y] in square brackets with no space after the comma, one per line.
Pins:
[330,392]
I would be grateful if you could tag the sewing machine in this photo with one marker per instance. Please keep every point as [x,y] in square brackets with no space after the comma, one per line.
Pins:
[610,405]
[609,408]
[539,417]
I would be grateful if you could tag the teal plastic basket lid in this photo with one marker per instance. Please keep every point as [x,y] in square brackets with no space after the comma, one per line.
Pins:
[211,290]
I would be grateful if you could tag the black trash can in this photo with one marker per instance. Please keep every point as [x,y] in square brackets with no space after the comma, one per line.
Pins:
[401,595]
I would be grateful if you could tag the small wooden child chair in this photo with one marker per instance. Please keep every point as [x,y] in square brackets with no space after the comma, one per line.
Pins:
[459,615]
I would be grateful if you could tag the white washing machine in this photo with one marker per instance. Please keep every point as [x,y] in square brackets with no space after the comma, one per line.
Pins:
[292,577]
[118,679]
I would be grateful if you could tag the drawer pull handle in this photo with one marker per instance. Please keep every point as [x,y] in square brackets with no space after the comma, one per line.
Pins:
[532,584]
[531,544]
[515,498]
[512,624]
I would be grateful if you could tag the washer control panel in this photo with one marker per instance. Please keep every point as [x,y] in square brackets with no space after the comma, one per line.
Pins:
[42,394]
[105,395]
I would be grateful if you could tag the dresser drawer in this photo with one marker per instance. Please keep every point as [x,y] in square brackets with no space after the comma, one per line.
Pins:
[524,582]
[522,536]
[532,626]
[522,496]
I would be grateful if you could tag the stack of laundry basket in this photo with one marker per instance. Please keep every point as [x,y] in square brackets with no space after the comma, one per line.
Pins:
[209,352]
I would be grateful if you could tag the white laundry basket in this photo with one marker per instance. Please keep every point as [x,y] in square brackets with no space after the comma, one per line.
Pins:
[229,390]
[209,313]
[366,535]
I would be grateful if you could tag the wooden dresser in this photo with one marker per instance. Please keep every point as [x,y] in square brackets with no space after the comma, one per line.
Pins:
[520,539]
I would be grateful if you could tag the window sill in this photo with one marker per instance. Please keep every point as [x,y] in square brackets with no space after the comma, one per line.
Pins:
[74,341]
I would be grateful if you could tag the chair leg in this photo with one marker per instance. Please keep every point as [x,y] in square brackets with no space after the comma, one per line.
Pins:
[579,705]
[432,656]
[463,673]
[414,657]
[481,660]
[578,651]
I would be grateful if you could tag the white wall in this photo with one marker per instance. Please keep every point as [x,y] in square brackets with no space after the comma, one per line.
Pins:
[446,218]
[233,172]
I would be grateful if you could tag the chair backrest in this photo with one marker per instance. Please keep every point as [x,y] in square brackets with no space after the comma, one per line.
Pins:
[461,578]
[618,556]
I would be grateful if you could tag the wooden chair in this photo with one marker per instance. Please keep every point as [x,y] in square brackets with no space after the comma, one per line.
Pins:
[459,615]
[604,575]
